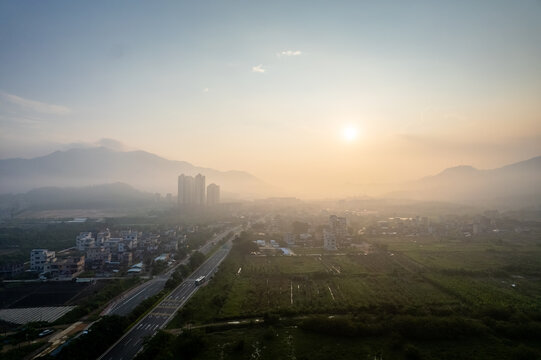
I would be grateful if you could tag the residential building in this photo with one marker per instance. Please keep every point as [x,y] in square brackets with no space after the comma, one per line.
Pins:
[125,258]
[185,190]
[68,267]
[96,257]
[39,258]
[329,240]
[213,194]
[84,241]
[102,237]
[199,190]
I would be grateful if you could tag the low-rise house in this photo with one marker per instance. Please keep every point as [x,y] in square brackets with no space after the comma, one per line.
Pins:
[96,257]
[84,241]
[68,267]
[39,258]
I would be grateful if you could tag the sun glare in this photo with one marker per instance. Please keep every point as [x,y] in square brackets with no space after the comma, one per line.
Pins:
[349,133]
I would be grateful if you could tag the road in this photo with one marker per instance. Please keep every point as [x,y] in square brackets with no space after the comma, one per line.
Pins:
[130,344]
[128,302]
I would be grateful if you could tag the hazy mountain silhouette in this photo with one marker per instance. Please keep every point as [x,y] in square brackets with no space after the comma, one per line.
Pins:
[99,165]
[511,186]
[116,195]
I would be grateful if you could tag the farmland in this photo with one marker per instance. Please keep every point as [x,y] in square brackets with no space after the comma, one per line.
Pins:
[444,289]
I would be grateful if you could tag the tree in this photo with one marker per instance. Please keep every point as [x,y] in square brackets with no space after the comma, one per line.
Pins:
[196,259]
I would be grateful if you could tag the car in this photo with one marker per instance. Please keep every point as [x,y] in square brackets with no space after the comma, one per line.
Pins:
[45,332]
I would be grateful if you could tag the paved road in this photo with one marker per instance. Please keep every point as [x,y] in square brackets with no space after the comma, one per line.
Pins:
[130,344]
[150,288]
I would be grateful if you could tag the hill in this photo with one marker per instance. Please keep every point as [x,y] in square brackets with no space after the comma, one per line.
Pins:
[101,165]
[512,186]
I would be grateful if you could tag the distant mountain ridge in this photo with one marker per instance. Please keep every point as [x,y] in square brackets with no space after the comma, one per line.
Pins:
[99,165]
[115,195]
[511,186]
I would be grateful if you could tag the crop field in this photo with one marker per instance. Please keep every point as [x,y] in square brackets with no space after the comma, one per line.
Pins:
[479,255]
[253,285]
[398,301]
[436,275]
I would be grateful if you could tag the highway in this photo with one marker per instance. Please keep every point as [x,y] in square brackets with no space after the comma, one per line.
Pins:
[134,297]
[130,344]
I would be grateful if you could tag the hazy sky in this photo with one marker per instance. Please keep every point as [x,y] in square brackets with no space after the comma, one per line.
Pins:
[268,87]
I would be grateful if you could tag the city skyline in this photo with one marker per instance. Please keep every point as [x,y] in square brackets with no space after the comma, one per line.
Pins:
[192,191]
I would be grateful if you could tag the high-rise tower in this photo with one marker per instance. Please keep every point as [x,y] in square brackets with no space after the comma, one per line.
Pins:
[185,190]
[199,190]
[213,194]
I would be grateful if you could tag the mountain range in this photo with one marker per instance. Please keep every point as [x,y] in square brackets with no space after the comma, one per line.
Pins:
[513,186]
[102,165]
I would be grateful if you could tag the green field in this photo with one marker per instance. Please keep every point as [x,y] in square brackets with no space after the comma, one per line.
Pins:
[429,292]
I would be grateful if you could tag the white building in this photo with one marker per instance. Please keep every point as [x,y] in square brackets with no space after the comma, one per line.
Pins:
[102,237]
[84,241]
[39,258]
[185,190]
[329,240]
[113,244]
[129,238]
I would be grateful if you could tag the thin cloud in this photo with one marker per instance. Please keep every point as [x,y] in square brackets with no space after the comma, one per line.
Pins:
[206,90]
[290,53]
[35,106]
[258,69]
[111,144]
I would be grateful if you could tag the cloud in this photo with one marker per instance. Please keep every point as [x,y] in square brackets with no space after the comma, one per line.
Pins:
[111,144]
[104,142]
[34,106]
[289,53]
[258,69]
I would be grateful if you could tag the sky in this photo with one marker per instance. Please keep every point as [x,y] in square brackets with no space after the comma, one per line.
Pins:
[310,96]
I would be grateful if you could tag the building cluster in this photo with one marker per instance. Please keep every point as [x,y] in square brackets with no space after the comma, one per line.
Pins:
[47,263]
[193,192]
[103,252]
[107,251]
[332,235]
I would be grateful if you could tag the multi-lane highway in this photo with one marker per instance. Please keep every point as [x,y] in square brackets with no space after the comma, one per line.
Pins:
[128,302]
[128,346]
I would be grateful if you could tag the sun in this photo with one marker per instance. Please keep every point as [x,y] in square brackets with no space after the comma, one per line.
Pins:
[349,133]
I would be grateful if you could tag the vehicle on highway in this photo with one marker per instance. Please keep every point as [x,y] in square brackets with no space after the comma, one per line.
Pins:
[199,280]
[45,332]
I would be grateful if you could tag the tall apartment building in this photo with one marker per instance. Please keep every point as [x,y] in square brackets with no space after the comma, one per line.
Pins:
[185,189]
[199,190]
[191,191]
[213,194]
